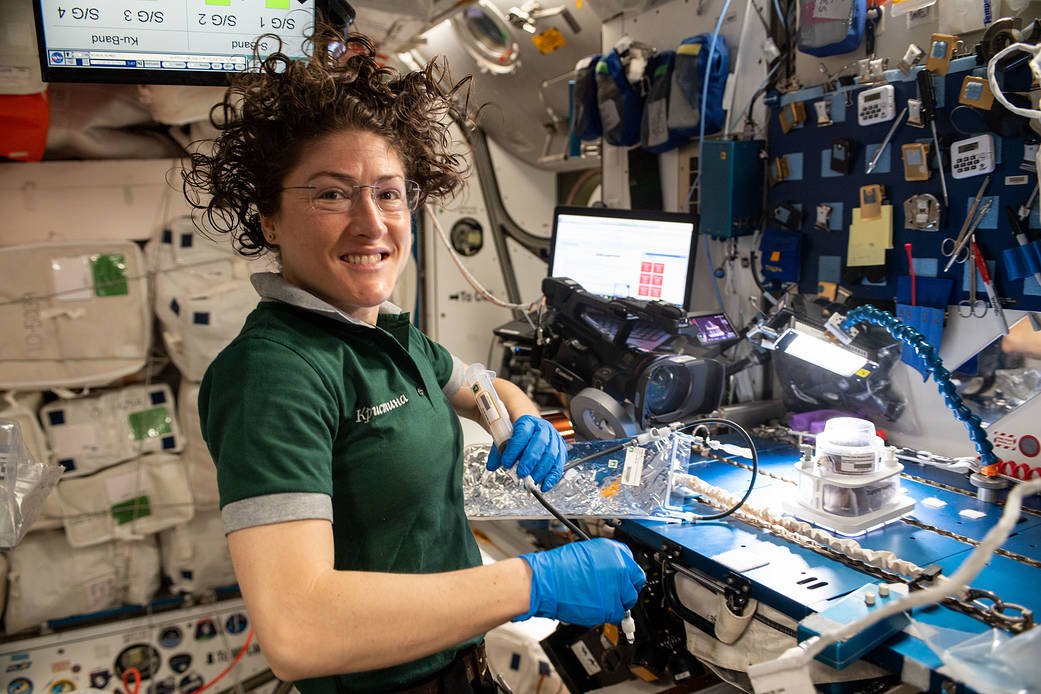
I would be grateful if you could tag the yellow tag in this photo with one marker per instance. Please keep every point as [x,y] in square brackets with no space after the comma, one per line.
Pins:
[862,373]
[775,256]
[549,40]
[611,490]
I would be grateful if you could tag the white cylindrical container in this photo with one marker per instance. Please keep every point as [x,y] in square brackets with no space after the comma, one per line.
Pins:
[849,446]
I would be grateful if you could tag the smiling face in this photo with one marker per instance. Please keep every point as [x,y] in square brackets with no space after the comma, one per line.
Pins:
[351,259]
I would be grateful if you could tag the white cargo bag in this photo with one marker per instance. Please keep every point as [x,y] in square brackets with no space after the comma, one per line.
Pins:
[202,294]
[74,314]
[90,433]
[202,473]
[50,580]
[126,501]
[195,555]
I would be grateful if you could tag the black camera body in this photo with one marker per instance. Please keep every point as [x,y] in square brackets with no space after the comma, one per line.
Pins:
[621,346]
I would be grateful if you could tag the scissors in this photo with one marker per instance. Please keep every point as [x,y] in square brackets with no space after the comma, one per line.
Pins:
[973,307]
[953,252]
[988,284]
[957,251]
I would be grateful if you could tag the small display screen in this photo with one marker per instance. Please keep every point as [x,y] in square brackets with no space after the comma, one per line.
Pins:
[968,147]
[873,97]
[713,328]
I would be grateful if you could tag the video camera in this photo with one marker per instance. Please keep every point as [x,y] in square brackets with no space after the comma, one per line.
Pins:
[623,347]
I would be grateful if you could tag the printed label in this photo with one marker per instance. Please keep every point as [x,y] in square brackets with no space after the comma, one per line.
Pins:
[632,471]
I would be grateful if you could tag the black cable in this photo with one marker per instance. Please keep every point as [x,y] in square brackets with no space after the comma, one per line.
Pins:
[690,425]
[755,467]
[557,514]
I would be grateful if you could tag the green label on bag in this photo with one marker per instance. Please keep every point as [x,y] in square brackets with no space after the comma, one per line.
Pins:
[110,275]
[150,424]
[131,509]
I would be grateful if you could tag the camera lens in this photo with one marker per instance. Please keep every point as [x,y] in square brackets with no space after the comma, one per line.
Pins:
[666,389]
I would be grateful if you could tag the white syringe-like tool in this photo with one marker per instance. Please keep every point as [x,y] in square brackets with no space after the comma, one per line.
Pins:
[479,381]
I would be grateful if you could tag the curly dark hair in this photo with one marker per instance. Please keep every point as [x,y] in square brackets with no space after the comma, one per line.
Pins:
[267,116]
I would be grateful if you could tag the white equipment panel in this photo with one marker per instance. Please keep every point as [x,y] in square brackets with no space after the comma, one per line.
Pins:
[176,652]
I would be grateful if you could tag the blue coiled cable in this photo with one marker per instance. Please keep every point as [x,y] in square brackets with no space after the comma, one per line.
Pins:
[934,366]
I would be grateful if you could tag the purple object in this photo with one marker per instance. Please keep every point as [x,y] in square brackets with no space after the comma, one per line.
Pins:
[813,421]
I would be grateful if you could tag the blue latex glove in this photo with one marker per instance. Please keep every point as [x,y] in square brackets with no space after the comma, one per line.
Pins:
[586,583]
[537,450]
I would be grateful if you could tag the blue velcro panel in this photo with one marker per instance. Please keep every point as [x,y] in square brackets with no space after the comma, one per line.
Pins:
[1022,261]
[158,397]
[515,661]
[186,240]
[56,417]
[167,236]
[780,253]
[929,291]
[201,317]
[168,442]
[175,307]
[926,320]
[68,463]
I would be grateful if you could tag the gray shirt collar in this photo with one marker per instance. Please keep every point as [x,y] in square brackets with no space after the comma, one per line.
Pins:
[273,287]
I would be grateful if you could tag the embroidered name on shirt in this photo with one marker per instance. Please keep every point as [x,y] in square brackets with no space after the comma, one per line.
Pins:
[364,414]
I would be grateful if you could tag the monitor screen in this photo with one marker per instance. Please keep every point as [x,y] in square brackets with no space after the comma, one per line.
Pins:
[625,253]
[165,41]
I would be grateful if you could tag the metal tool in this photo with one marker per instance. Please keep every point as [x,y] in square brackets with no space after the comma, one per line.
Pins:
[967,227]
[927,93]
[885,143]
[992,295]
[958,251]
[973,306]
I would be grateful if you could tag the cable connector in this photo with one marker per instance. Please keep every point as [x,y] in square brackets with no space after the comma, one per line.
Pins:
[629,627]
[655,433]
[834,328]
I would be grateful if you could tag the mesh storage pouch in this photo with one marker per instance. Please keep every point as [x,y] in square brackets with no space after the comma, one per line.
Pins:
[585,123]
[691,69]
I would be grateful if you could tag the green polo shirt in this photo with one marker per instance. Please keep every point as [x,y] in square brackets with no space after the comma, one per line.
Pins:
[309,413]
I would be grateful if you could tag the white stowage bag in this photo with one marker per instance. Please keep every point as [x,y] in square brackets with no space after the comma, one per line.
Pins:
[74,314]
[50,580]
[202,294]
[126,501]
[195,555]
[87,434]
[202,473]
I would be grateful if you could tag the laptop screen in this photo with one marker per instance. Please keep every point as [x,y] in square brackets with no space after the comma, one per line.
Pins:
[625,253]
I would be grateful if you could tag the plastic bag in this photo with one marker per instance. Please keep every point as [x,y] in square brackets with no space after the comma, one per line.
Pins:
[622,484]
[24,484]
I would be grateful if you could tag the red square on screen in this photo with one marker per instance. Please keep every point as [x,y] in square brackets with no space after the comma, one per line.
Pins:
[645,290]
[656,292]
[659,268]
[645,278]
[645,267]
[656,280]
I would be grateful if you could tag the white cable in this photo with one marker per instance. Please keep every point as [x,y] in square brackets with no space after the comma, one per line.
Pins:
[959,580]
[468,276]
[992,78]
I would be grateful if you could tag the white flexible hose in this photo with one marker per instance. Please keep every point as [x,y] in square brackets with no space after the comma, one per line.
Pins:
[801,657]
[992,79]
[468,276]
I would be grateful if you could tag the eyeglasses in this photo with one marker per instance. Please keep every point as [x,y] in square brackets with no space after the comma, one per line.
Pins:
[391,197]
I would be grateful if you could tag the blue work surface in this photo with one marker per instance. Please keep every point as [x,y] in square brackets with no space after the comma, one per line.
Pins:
[798,581]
